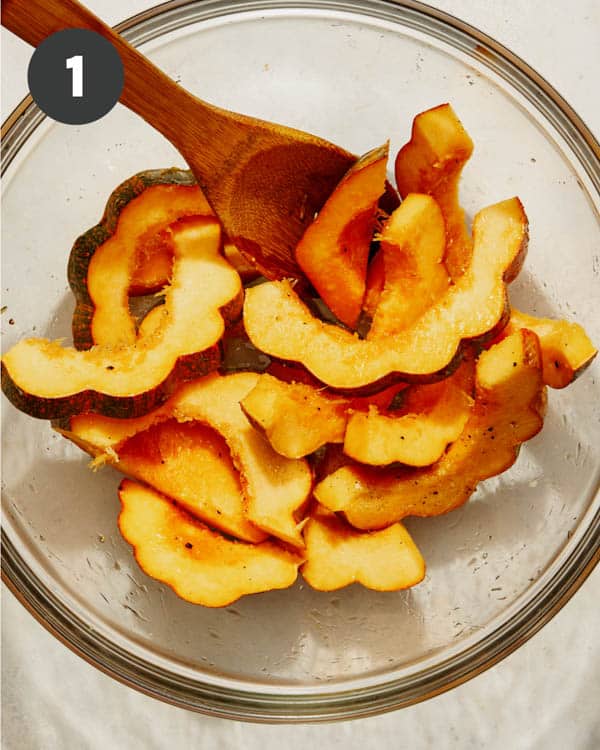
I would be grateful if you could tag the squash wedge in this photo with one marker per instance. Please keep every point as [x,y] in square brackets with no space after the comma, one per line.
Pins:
[334,250]
[276,488]
[47,380]
[298,418]
[509,409]
[295,418]
[279,324]
[418,436]
[130,247]
[432,162]
[338,555]
[566,348]
[189,463]
[200,565]
[413,241]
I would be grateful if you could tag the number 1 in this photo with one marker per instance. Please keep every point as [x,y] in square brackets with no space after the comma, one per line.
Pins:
[76,65]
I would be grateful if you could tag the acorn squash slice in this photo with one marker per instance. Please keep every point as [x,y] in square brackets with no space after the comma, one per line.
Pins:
[189,463]
[279,324]
[432,162]
[566,348]
[334,250]
[413,241]
[432,417]
[129,247]
[47,380]
[338,555]
[296,419]
[199,564]
[276,488]
[509,409]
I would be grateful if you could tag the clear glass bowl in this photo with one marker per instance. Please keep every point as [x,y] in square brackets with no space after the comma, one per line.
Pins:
[498,568]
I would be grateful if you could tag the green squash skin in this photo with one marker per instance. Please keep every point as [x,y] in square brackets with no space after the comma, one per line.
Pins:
[187,367]
[86,245]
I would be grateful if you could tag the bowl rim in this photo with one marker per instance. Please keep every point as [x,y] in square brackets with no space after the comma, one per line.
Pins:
[288,707]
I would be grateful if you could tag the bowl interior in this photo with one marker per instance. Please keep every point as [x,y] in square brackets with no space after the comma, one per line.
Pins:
[357,79]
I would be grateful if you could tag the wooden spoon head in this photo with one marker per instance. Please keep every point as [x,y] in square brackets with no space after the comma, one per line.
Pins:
[272,183]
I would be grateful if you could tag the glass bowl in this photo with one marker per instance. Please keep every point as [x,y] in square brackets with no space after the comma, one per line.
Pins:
[498,568]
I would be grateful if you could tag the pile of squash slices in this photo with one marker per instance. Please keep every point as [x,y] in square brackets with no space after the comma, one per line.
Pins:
[386,382]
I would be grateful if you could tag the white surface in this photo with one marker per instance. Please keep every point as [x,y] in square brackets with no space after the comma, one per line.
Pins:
[546,695]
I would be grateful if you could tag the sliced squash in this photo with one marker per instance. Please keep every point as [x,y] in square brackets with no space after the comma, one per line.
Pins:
[121,245]
[276,488]
[47,380]
[509,409]
[334,250]
[566,347]
[295,418]
[338,555]
[191,464]
[432,162]
[413,241]
[298,418]
[278,323]
[418,435]
[200,565]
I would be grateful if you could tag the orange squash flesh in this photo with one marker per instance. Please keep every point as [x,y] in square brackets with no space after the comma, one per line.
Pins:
[416,437]
[413,241]
[49,381]
[432,162]
[508,410]
[153,263]
[295,418]
[338,555]
[279,324]
[191,464]
[566,348]
[276,488]
[334,250]
[200,565]
[375,283]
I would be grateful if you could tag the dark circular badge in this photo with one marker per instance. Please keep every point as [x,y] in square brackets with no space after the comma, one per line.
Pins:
[75,76]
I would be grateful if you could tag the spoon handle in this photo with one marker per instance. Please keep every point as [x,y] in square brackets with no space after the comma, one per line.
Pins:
[146,91]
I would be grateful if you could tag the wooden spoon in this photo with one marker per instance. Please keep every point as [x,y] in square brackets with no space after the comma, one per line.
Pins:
[264,181]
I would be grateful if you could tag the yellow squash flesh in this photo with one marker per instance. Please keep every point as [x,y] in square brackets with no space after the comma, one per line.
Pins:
[296,419]
[432,162]
[338,555]
[566,347]
[200,565]
[417,436]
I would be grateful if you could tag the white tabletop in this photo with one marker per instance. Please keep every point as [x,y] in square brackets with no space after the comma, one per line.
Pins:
[546,695]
